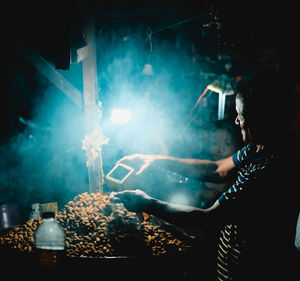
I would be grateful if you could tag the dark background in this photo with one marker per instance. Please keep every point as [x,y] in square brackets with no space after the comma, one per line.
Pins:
[42,161]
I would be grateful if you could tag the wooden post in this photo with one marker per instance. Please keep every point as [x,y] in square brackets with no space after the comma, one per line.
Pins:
[90,79]
[94,138]
[91,110]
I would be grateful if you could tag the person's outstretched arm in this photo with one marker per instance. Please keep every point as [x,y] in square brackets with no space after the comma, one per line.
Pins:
[186,216]
[200,169]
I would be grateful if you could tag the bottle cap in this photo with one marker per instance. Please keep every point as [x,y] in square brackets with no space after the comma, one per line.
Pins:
[46,215]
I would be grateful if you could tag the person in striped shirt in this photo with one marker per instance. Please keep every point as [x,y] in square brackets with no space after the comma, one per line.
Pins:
[256,215]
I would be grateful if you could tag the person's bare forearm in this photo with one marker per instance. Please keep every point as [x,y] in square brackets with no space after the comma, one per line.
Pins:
[199,169]
[185,216]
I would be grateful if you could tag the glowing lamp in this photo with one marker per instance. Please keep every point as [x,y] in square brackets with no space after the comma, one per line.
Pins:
[148,70]
[216,87]
[120,116]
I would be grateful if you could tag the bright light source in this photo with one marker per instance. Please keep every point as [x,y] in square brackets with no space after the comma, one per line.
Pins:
[120,116]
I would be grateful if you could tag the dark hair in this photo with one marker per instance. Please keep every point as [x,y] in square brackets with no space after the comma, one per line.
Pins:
[269,104]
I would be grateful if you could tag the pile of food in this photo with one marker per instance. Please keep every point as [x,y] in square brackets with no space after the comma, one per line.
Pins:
[94,227]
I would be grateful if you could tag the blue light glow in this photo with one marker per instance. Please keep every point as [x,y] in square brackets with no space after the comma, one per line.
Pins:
[179,198]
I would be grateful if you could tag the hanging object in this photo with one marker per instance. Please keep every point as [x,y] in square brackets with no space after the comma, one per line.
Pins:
[148,69]
[217,88]
[223,88]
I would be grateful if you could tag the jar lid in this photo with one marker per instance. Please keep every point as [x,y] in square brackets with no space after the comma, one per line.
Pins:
[46,215]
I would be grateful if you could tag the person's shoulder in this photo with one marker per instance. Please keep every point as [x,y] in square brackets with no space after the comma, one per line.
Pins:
[243,153]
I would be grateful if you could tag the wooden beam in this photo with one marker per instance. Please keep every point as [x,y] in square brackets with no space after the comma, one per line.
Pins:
[49,72]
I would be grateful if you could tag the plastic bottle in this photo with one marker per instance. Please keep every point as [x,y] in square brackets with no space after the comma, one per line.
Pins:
[50,241]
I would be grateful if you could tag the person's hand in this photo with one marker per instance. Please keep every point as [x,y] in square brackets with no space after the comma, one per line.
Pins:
[133,200]
[140,162]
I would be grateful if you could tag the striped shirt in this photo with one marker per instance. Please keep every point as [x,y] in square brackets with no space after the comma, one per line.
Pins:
[251,162]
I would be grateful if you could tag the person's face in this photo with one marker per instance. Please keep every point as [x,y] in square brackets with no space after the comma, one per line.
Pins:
[221,144]
[240,119]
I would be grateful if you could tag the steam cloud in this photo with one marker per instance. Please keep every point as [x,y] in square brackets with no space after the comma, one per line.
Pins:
[44,162]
